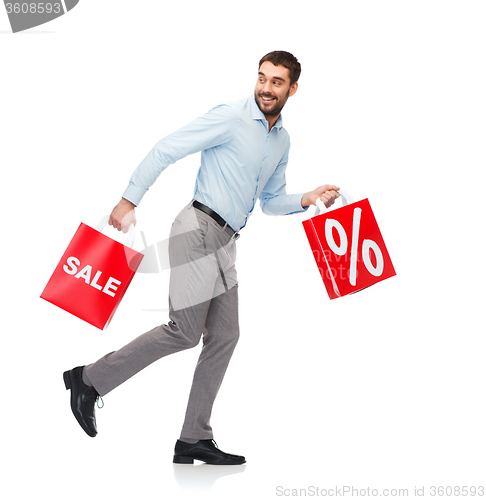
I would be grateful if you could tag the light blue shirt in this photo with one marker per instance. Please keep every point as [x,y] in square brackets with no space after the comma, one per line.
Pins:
[241,162]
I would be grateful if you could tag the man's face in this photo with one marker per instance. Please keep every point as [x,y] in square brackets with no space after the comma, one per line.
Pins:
[273,88]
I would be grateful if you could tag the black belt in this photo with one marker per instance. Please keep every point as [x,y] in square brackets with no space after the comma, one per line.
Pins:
[215,216]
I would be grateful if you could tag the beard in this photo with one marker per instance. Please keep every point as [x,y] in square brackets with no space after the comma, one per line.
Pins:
[277,104]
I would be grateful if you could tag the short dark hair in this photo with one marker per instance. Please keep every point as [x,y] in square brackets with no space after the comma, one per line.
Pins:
[285,59]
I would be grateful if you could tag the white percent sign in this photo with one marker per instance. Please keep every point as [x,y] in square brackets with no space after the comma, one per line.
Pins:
[343,247]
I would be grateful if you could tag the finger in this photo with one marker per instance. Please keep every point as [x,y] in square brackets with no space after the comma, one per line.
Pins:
[330,198]
[125,225]
[329,187]
[333,194]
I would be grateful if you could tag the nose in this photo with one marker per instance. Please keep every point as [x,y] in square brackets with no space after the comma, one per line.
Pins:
[267,87]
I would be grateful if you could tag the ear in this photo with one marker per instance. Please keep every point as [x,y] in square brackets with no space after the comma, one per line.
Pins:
[293,88]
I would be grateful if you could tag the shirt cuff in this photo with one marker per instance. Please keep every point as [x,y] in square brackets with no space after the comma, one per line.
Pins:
[134,194]
[295,204]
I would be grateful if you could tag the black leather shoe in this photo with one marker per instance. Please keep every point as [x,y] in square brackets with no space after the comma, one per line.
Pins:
[83,399]
[205,450]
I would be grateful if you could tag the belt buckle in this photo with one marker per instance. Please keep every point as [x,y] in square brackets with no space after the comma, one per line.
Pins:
[235,236]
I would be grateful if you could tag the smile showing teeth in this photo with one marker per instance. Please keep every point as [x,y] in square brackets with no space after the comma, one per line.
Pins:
[268,99]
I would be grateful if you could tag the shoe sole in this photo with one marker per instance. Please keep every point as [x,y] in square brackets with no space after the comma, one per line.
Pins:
[183,460]
[190,460]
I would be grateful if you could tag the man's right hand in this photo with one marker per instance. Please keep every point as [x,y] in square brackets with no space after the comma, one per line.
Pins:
[123,215]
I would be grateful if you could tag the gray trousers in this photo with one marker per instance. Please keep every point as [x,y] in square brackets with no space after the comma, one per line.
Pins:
[203,300]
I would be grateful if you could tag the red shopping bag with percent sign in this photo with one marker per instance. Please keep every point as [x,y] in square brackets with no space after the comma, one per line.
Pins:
[93,275]
[348,247]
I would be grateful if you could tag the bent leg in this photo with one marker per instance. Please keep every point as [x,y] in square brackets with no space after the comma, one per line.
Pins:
[182,332]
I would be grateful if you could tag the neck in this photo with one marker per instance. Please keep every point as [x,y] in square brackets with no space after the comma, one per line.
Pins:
[271,120]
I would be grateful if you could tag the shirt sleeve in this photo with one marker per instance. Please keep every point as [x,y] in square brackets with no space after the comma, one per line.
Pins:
[274,200]
[214,128]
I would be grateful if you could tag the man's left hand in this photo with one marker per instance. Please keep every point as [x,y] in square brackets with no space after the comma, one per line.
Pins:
[327,193]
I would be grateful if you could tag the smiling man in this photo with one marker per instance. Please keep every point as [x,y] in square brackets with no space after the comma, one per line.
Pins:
[244,154]
[272,89]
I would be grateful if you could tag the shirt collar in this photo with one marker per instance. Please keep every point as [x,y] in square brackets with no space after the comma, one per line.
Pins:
[257,114]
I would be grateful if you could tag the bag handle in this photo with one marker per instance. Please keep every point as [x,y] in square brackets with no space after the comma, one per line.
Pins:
[131,230]
[345,198]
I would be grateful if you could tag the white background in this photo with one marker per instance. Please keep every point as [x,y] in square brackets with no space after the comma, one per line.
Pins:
[382,389]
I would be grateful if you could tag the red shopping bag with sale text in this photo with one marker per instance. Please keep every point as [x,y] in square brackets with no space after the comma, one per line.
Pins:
[348,247]
[93,275]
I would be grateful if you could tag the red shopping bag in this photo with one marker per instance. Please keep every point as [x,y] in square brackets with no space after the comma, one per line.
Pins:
[93,275]
[348,247]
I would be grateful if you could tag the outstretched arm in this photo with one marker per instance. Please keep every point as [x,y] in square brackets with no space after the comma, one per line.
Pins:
[214,128]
